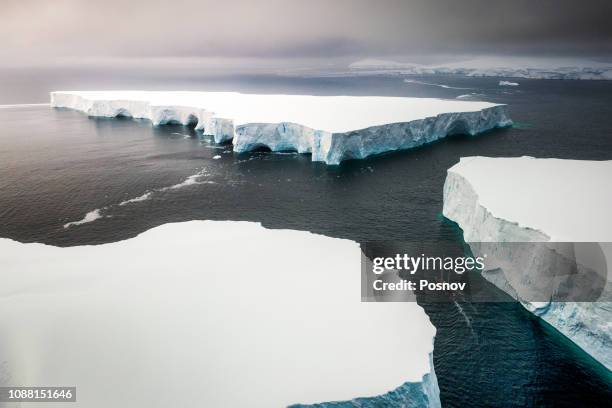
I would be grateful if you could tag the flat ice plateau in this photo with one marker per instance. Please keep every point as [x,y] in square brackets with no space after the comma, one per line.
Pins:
[211,314]
[331,128]
[559,202]
[510,67]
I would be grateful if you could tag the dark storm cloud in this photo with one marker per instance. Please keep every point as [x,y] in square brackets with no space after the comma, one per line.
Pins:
[47,30]
[519,26]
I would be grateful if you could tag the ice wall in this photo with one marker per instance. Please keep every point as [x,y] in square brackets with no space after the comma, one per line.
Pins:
[140,108]
[399,136]
[331,129]
[500,200]
[333,148]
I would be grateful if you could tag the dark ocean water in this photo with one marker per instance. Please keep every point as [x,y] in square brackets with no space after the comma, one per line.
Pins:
[56,166]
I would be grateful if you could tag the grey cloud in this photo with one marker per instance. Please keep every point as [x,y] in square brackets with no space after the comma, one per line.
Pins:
[47,30]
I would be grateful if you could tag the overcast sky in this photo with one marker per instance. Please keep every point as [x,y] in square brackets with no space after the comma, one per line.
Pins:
[45,32]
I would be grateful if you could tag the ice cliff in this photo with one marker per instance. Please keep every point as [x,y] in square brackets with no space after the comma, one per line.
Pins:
[330,128]
[175,311]
[136,105]
[564,204]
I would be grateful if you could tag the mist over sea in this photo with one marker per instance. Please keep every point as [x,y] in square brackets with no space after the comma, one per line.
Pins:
[66,179]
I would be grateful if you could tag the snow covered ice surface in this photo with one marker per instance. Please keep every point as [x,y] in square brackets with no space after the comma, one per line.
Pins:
[511,67]
[175,310]
[331,128]
[555,201]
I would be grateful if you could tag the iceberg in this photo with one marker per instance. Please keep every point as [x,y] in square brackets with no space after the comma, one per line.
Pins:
[510,67]
[330,128]
[212,314]
[508,83]
[563,203]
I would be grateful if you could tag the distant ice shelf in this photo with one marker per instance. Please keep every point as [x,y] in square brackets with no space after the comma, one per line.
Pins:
[510,67]
[563,203]
[175,310]
[331,128]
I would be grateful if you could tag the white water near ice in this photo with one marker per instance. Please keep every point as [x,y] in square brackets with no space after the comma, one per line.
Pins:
[98,213]
[89,217]
[414,81]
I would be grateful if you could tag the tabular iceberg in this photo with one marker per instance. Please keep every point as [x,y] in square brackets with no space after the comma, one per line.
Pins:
[176,311]
[559,202]
[331,128]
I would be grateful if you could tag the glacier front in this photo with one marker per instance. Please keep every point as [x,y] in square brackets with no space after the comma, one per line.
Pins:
[562,203]
[330,128]
[210,314]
